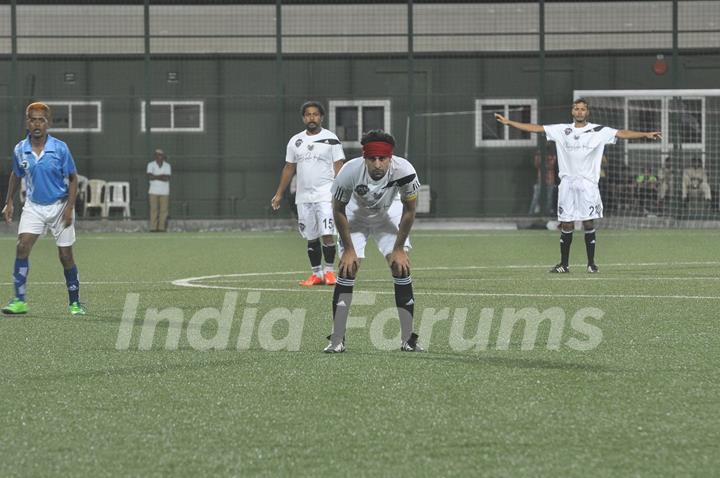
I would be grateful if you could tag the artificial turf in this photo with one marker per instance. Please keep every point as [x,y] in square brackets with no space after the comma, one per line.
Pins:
[641,398]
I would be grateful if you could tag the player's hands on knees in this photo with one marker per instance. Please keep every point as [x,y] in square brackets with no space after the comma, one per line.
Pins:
[7,212]
[275,202]
[349,264]
[399,263]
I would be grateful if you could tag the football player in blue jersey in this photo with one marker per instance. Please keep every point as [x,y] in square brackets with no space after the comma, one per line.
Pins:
[51,179]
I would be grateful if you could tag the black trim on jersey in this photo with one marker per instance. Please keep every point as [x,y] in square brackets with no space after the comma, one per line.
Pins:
[328,141]
[595,129]
[339,194]
[400,182]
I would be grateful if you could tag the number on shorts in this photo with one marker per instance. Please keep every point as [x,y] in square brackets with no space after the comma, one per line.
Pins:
[328,223]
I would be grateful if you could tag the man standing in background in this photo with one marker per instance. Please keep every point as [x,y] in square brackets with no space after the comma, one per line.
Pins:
[159,172]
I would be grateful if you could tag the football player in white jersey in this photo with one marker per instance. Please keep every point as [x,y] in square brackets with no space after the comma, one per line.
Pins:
[580,147]
[375,195]
[316,155]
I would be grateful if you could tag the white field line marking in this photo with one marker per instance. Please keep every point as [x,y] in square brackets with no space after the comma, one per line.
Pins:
[465,294]
[192,282]
[384,281]
[454,268]
[518,234]
[581,266]
[207,236]
[506,279]
[96,282]
[139,237]
[230,278]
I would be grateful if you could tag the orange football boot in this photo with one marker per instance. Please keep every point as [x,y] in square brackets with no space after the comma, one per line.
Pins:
[330,278]
[311,281]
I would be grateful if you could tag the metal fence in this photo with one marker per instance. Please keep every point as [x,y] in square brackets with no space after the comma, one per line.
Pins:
[225,79]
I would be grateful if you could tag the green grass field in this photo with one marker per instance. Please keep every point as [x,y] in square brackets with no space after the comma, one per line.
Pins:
[643,401]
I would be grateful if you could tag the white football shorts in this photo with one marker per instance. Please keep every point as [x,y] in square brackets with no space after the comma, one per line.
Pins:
[38,218]
[578,200]
[315,219]
[382,226]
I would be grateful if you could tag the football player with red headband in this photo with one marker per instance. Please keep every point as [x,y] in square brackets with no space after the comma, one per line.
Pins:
[375,195]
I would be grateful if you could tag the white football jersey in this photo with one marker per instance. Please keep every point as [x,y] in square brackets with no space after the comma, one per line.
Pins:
[580,150]
[315,156]
[354,185]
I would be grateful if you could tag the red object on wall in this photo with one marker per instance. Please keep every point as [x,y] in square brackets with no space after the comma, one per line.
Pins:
[660,67]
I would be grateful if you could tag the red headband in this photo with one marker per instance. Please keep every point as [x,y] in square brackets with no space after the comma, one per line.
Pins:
[377,149]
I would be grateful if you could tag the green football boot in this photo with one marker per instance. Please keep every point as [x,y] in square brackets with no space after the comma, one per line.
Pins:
[76,308]
[15,306]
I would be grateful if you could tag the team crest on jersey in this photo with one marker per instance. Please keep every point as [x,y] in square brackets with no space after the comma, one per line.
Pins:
[24,164]
[298,143]
[310,147]
[362,189]
[568,131]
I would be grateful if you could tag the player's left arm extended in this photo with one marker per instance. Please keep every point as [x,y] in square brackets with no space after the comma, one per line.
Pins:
[529,127]
[630,134]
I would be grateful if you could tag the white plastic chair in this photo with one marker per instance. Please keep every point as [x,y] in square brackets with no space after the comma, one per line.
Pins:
[95,196]
[23,190]
[81,191]
[118,195]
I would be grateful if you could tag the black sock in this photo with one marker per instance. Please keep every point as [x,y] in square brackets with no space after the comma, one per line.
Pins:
[329,253]
[314,253]
[405,303]
[590,245]
[342,299]
[565,241]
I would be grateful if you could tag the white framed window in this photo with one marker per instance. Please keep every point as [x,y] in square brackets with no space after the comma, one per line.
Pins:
[349,119]
[681,119]
[490,133]
[175,116]
[76,116]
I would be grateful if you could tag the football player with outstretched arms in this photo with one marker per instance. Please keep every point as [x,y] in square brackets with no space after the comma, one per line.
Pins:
[580,147]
